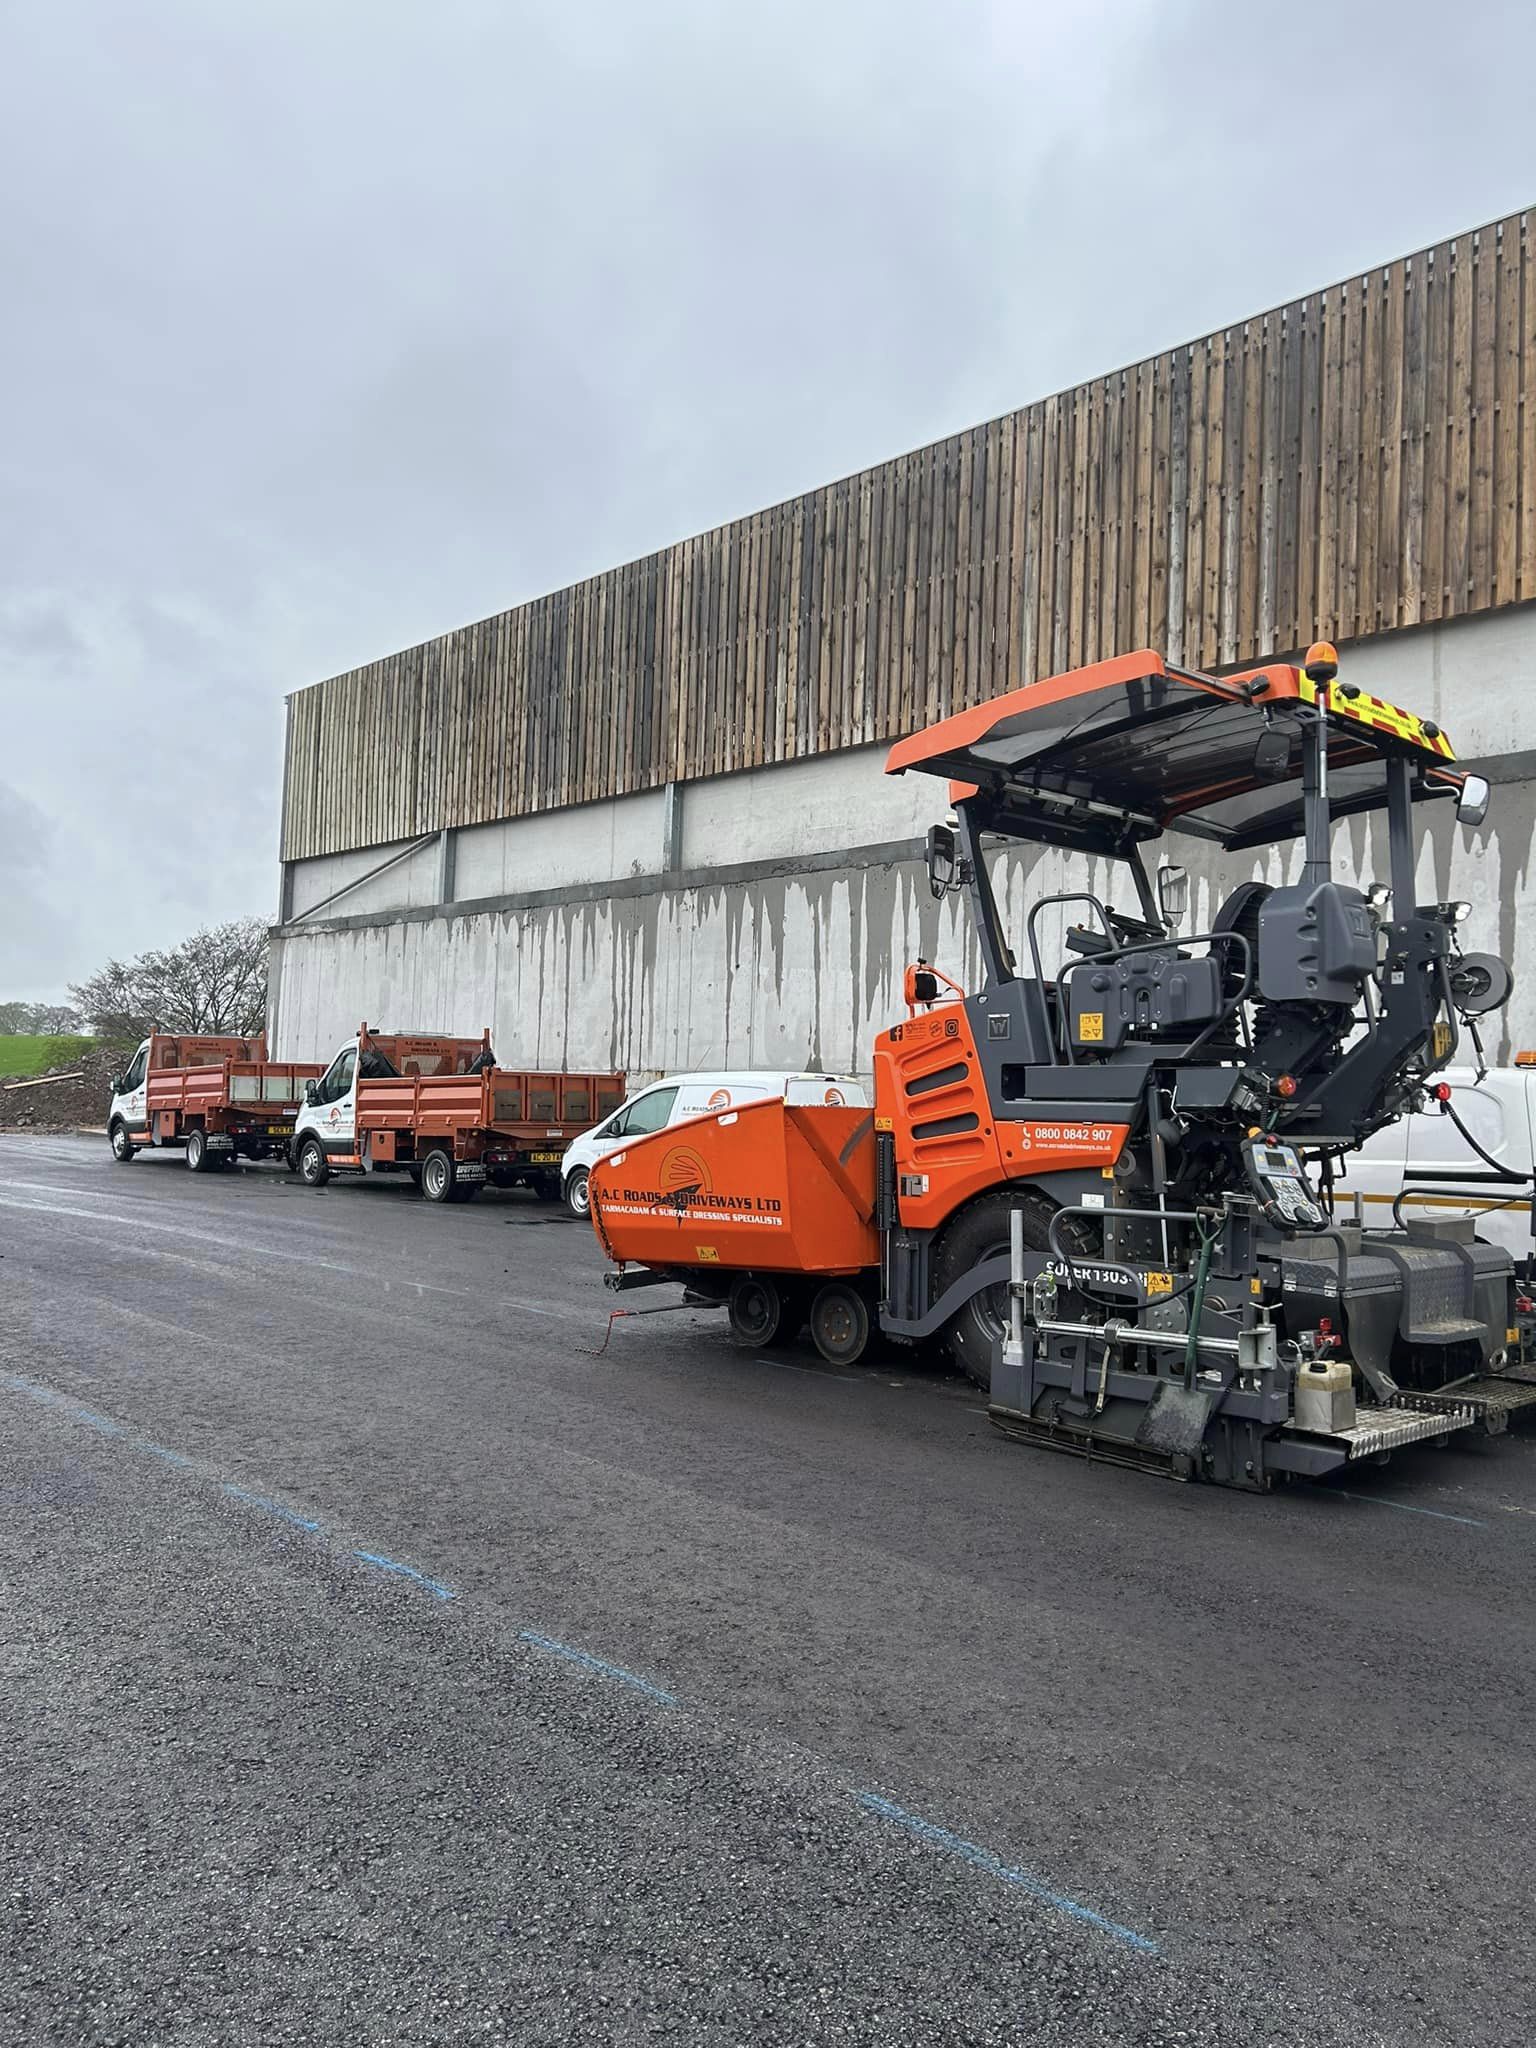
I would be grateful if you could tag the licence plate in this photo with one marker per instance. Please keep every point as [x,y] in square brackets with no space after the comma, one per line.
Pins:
[544,1158]
[279,1130]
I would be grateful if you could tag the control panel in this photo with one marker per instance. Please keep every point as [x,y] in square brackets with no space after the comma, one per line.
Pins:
[1276,1177]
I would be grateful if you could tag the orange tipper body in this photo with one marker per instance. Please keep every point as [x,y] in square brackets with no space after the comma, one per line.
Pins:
[218,1083]
[768,1187]
[447,1088]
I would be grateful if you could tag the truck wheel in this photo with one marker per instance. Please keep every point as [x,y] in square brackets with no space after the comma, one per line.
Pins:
[577,1198]
[123,1147]
[314,1168]
[547,1186]
[466,1191]
[437,1176]
[839,1323]
[756,1311]
[199,1158]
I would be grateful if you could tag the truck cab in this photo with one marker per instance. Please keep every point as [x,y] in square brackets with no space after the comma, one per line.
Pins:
[128,1111]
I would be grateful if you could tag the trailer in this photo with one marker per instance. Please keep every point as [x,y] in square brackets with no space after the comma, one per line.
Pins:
[1104,1178]
[216,1098]
[769,1207]
[442,1112]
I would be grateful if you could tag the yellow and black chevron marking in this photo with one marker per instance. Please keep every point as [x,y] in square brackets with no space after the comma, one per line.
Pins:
[1376,712]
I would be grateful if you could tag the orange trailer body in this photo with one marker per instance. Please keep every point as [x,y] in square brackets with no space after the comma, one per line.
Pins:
[768,1188]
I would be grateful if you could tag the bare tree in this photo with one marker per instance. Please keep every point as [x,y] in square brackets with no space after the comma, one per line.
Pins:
[213,982]
[49,1019]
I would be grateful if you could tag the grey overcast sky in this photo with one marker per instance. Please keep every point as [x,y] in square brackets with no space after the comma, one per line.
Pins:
[328,326]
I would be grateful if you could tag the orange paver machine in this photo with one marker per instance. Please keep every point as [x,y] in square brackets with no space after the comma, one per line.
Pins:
[1103,1176]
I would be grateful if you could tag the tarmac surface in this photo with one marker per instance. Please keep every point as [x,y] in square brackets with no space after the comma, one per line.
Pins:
[385,1661]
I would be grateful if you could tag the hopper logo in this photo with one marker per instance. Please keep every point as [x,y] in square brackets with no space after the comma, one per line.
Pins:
[685,1186]
[683,1172]
[721,1099]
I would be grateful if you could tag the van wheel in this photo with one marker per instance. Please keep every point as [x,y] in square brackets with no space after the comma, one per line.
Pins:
[199,1158]
[839,1323]
[314,1168]
[438,1177]
[577,1197]
[123,1147]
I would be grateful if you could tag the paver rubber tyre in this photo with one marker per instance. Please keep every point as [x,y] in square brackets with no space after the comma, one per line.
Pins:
[199,1158]
[123,1147]
[314,1169]
[438,1178]
[977,1234]
[840,1323]
[756,1309]
[578,1197]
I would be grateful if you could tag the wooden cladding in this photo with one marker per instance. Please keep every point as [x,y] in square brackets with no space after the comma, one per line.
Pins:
[1359,460]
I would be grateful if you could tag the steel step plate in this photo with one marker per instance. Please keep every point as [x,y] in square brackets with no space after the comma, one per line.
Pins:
[1375,1430]
[1495,1399]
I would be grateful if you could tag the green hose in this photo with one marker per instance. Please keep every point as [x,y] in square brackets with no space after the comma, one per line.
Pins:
[1197,1303]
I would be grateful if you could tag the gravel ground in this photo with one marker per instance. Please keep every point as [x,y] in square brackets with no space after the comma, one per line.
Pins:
[383,1666]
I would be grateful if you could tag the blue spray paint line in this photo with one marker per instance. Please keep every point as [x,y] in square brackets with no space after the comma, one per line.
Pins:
[406,1571]
[600,1665]
[983,1859]
[1379,1500]
[170,1457]
[270,1507]
[48,1398]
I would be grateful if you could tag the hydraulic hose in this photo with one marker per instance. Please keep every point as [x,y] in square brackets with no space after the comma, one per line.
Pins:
[1487,1157]
[1197,1303]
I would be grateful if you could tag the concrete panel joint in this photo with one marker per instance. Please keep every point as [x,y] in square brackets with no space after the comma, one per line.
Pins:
[672,829]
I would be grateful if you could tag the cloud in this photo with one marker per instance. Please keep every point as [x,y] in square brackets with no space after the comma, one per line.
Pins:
[328,329]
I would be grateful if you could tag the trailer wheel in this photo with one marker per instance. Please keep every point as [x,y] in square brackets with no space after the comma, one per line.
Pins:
[438,1176]
[123,1147]
[577,1196]
[314,1169]
[756,1309]
[839,1323]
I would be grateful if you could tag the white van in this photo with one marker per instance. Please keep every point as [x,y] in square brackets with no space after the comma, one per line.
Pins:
[680,1096]
[1427,1155]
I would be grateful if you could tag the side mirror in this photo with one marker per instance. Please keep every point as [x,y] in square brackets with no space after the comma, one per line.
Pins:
[1472,804]
[311,1093]
[943,856]
[116,1083]
[1173,894]
[1272,755]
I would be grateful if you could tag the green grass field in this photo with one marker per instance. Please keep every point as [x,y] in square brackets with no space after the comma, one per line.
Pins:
[23,1054]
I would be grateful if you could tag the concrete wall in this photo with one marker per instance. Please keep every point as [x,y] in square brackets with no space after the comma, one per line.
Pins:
[765,918]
